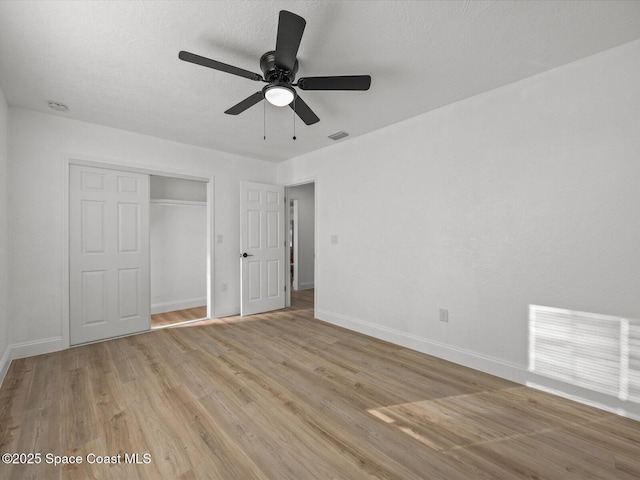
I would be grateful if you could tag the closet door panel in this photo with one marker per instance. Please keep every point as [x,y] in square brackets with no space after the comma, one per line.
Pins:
[108,253]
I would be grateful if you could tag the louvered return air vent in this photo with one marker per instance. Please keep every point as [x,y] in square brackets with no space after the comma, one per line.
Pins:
[338,135]
[598,352]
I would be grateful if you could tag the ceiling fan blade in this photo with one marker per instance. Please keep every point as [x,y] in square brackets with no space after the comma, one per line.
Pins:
[245,104]
[290,29]
[346,82]
[223,67]
[304,112]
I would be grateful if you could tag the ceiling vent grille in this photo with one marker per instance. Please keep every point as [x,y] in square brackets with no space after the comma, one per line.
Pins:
[58,107]
[338,135]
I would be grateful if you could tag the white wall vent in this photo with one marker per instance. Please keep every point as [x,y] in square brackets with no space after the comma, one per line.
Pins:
[338,135]
[598,352]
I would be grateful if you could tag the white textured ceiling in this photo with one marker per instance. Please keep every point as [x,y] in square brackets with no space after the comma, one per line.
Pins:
[116,63]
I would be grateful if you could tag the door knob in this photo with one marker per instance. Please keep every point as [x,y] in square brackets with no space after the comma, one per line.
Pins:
[245,255]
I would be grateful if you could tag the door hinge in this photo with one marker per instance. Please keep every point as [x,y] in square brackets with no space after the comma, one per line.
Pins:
[285,288]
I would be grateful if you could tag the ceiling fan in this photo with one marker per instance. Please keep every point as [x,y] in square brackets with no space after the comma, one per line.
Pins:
[279,68]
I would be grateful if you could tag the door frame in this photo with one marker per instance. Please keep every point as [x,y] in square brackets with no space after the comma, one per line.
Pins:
[89,161]
[316,260]
[293,203]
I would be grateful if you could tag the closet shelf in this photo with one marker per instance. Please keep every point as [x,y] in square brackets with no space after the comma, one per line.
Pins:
[169,201]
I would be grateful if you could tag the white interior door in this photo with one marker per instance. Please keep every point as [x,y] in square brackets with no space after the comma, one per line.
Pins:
[262,248]
[108,253]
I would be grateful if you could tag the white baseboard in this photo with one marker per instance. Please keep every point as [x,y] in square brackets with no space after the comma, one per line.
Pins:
[38,347]
[510,371]
[305,285]
[507,370]
[5,361]
[179,305]
[28,349]
[484,363]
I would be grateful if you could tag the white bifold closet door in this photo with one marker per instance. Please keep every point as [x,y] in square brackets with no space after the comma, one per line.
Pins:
[108,253]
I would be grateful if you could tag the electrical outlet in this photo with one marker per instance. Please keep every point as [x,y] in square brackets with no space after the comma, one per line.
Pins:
[220,238]
[334,239]
[225,287]
[444,315]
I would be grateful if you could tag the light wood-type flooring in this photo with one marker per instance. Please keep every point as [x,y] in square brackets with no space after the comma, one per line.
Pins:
[284,396]
[300,298]
[178,316]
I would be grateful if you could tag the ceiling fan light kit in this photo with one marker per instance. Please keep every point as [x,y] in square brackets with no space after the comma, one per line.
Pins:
[279,68]
[279,95]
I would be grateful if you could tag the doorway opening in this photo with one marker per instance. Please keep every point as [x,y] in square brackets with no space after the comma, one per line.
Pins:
[178,251]
[301,233]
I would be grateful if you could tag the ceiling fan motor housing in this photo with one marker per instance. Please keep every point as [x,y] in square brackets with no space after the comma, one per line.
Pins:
[272,73]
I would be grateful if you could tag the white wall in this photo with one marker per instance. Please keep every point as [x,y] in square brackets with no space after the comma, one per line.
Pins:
[178,244]
[306,233]
[527,194]
[177,189]
[39,145]
[4,241]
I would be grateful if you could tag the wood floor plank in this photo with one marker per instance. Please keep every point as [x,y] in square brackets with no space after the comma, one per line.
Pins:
[284,396]
[201,429]
[177,316]
[42,404]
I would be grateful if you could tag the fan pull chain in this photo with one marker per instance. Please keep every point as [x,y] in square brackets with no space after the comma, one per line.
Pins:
[264,119]
[294,117]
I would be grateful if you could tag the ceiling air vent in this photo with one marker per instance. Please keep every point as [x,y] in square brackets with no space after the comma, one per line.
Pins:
[338,135]
[58,107]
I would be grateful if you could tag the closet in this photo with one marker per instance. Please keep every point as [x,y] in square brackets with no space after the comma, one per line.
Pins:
[178,250]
